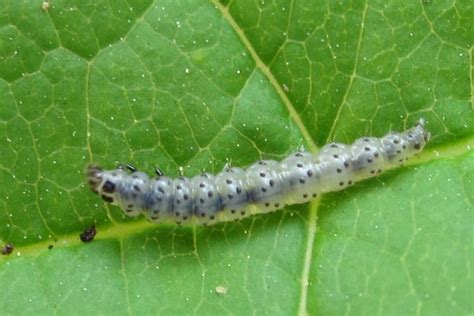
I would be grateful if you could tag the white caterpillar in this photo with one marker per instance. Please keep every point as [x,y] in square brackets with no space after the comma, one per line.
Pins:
[264,187]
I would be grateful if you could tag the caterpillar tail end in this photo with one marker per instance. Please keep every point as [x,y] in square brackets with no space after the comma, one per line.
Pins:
[421,126]
[94,176]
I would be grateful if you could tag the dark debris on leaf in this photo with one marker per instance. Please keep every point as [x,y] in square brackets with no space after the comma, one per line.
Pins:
[7,249]
[88,234]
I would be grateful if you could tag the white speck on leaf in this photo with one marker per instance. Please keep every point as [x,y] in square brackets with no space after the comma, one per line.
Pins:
[221,290]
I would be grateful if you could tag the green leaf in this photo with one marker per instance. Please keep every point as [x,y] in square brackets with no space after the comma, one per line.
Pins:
[192,85]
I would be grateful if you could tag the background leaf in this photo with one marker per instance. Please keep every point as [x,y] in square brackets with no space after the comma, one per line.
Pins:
[194,84]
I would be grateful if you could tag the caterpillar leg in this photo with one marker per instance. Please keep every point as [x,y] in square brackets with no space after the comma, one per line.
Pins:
[227,166]
[127,166]
[158,172]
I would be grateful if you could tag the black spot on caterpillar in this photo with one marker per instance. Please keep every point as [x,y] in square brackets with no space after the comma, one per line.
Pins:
[7,249]
[264,187]
[88,234]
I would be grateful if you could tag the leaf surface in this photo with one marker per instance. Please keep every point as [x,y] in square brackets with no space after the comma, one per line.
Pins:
[193,85]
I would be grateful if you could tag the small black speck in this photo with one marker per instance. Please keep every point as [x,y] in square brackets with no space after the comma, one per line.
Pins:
[346,164]
[336,156]
[50,247]
[238,190]
[232,211]
[379,171]
[160,189]
[264,189]
[202,185]
[228,181]
[334,146]
[177,214]
[185,197]
[299,165]
[242,213]
[178,187]
[376,154]
[178,201]
[417,146]
[366,148]
[267,204]
[309,173]
[369,160]
[261,162]
[210,194]
[277,204]
[396,141]
[212,217]
[271,182]
[298,155]
[315,195]
[349,182]
[128,210]
[185,217]
[201,200]
[203,214]
[404,146]
[262,174]
[305,196]
[230,196]
[366,140]
[399,151]
[302,181]
[339,170]
[372,171]
[341,183]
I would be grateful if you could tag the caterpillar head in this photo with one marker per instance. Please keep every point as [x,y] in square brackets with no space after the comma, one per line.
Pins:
[103,182]
[94,177]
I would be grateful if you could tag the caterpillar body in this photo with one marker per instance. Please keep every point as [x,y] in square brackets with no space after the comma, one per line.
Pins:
[263,187]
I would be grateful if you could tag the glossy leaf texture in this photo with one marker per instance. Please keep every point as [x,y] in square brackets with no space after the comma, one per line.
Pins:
[193,85]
